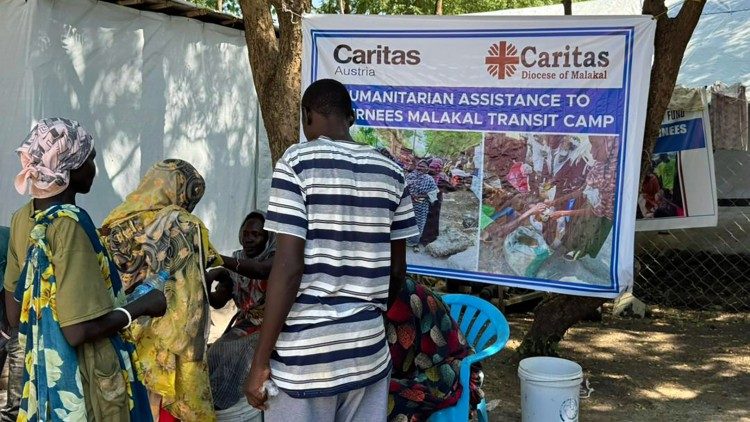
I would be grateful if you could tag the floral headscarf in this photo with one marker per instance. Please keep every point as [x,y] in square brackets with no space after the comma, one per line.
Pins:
[134,231]
[168,183]
[53,148]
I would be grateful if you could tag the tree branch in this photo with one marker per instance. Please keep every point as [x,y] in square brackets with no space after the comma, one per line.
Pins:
[345,7]
[568,7]
[688,16]
[672,37]
[260,34]
[654,8]
[276,64]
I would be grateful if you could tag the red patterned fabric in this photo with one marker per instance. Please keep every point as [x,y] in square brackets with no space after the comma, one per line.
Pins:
[427,348]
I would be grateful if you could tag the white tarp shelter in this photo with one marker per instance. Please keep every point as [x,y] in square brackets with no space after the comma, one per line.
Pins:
[148,86]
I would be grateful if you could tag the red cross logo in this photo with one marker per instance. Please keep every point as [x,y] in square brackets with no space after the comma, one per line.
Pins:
[502,60]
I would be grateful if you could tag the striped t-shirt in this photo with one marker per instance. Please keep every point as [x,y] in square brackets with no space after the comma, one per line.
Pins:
[348,202]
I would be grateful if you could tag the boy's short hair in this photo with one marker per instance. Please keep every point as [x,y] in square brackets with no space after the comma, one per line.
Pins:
[328,97]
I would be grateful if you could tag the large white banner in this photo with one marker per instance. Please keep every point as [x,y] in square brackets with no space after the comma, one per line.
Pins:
[679,190]
[520,137]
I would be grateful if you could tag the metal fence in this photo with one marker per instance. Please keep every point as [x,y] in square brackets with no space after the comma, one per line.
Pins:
[704,268]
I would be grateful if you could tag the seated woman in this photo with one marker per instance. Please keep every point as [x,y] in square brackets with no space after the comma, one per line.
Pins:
[243,279]
[154,230]
[68,298]
[426,348]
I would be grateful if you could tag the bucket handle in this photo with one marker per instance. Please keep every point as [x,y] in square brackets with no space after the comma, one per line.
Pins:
[585,389]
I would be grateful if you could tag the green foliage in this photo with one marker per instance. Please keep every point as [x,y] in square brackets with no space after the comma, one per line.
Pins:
[231,7]
[433,143]
[427,7]
[398,7]
[367,136]
[450,144]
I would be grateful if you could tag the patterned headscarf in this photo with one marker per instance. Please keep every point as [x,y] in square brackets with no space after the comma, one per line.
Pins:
[168,183]
[53,148]
[134,231]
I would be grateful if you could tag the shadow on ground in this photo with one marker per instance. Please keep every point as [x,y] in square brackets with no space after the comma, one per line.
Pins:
[673,366]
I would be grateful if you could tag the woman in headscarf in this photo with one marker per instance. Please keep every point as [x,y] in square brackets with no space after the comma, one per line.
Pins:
[423,190]
[64,294]
[152,231]
[432,225]
[243,280]
[426,347]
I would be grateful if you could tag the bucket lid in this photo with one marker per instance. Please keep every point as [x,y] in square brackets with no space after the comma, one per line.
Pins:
[544,368]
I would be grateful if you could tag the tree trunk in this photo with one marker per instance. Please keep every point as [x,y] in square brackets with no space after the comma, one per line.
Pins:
[345,7]
[556,314]
[568,6]
[438,7]
[220,5]
[276,65]
[552,318]
[672,37]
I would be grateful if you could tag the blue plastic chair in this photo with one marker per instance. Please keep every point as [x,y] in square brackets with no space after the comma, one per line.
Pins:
[487,331]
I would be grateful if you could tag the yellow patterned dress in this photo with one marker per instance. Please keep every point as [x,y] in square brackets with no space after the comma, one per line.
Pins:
[154,231]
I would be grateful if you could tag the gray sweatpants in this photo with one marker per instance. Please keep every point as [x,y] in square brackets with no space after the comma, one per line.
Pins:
[368,404]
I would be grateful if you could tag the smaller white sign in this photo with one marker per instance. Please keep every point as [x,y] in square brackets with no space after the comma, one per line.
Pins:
[679,191]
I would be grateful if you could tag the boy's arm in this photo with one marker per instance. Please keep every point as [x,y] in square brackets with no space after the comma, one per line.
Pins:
[283,286]
[398,269]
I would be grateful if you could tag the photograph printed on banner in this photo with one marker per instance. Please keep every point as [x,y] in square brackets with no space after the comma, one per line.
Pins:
[548,206]
[442,174]
[661,190]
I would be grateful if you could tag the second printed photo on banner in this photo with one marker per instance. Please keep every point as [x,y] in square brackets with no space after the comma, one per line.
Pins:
[548,205]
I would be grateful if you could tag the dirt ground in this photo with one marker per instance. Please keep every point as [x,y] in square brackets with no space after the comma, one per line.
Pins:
[457,206]
[675,365]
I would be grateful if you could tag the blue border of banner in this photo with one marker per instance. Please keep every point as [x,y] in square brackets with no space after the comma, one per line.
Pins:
[523,282]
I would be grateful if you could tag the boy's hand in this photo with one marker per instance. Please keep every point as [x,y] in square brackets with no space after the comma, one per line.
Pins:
[253,388]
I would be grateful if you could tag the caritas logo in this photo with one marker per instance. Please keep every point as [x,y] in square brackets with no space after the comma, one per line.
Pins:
[503,61]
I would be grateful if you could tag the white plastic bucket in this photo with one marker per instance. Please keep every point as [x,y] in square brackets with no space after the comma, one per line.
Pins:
[550,389]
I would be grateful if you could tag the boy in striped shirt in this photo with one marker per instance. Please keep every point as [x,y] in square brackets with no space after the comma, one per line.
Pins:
[342,214]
